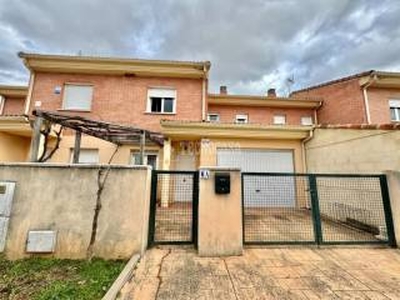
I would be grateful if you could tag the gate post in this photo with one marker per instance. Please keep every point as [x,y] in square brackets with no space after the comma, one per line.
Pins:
[220,215]
[153,207]
[316,214]
[391,202]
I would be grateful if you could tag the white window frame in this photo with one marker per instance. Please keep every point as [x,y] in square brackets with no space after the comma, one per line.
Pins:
[215,115]
[161,92]
[146,157]
[64,102]
[309,121]
[83,150]
[2,102]
[276,122]
[245,118]
[394,104]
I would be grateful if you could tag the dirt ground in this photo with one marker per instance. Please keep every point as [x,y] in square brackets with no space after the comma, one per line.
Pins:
[268,273]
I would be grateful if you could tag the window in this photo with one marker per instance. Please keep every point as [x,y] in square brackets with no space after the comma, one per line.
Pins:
[78,97]
[279,120]
[241,119]
[394,110]
[87,156]
[307,121]
[213,117]
[161,101]
[150,159]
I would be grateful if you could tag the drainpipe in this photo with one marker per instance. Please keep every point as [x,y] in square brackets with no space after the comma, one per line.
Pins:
[315,116]
[303,148]
[2,100]
[365,94]
[203,101]
[203,94]
[29,96]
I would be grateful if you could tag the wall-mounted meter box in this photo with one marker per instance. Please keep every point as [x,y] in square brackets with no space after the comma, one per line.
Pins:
[222,183]
[41,241]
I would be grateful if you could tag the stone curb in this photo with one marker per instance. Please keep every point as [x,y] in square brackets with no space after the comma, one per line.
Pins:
[122,278]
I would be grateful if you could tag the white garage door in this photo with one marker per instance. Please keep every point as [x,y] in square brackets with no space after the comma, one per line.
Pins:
[263,191]
[254,160]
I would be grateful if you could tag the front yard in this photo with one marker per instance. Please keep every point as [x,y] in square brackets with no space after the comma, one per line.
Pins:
[40,279]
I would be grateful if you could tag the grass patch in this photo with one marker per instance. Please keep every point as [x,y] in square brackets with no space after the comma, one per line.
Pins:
[56,279]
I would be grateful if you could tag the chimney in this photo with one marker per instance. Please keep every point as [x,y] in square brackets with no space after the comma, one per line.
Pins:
[223,90]
[271,93]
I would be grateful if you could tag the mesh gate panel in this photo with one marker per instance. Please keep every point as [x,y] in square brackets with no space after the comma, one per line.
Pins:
[351,209]
[174,207]
[316,208]
[276,209]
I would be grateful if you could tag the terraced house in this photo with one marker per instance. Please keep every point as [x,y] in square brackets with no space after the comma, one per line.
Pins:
[371,97]
[198,128]
[171,98]
[15,132]
[360,124]
[262,154]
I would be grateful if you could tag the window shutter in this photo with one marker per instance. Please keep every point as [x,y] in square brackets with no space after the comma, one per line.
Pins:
[162,93]
[78,97]
[306,121]
[394,103]
[89,156]
[279,120]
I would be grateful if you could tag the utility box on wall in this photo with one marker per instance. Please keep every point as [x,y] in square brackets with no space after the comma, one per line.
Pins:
[222,183]
[41,241]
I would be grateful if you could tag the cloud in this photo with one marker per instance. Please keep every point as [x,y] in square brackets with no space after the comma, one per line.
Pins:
[253,44]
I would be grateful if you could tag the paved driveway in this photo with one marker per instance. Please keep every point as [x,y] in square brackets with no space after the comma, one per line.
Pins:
[174,223]
[269,273]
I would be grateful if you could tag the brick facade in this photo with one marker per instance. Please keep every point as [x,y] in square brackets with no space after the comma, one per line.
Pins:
[260,115]
[378,99]
[121,99]
[343,102]
[14,106]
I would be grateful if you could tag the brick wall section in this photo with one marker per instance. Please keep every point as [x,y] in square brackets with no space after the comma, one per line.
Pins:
[260,115]
[121,99]
[343,102]
[378,100]
[14,106]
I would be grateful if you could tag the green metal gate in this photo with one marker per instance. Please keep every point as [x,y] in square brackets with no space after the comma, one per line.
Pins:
[288,208]
[173,207]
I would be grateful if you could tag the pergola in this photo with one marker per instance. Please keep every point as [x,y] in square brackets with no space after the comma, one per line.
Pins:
[114,133]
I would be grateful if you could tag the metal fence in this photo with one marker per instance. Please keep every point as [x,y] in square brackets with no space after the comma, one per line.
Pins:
[286,208]
[173,207]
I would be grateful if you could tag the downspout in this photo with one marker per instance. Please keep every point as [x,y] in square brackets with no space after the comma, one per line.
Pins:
[2,100]
[303,148]
[30,91]
[316,112]
[203,95]
[310,136]
[316,116]
[365,94]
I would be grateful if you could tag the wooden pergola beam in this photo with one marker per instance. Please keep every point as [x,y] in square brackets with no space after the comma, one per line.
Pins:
[114,133]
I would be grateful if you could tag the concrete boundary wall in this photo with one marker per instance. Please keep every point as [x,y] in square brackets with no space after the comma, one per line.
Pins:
[353,151]
[63,198]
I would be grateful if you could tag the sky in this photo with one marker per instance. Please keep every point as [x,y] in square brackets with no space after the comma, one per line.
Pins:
[253,45]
